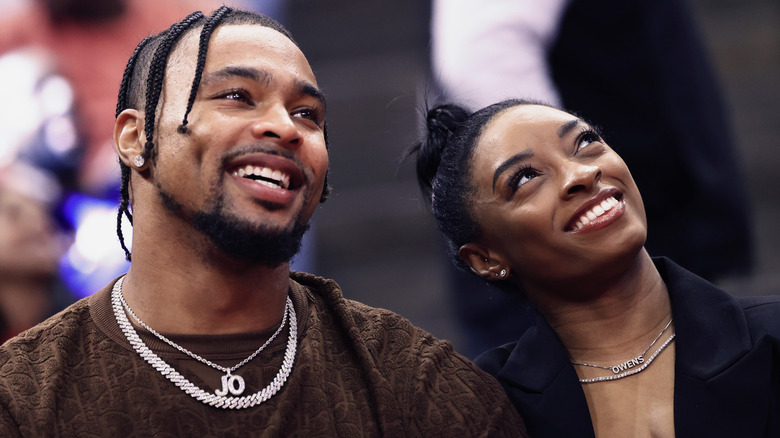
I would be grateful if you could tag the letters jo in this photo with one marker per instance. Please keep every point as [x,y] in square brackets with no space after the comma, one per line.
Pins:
[233,384]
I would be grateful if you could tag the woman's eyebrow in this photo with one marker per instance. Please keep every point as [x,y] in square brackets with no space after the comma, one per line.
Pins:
[514,159]
[567,127]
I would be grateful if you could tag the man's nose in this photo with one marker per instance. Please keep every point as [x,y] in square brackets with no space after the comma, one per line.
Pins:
[275,122]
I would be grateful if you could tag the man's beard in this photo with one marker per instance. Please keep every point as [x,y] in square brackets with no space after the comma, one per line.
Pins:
[241,240]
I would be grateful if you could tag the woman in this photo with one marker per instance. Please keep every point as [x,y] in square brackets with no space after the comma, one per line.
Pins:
[615,343]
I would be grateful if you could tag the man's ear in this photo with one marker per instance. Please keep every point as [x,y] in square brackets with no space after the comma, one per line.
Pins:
[483,262]
[128,139]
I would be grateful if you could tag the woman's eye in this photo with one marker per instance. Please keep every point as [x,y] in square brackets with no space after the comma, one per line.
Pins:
[523,176]
[586,138]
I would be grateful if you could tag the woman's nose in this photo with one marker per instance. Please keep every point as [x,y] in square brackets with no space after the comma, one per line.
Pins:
[579,177]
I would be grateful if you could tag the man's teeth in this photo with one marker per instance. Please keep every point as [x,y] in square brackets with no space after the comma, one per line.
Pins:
[596,211]
[268,177]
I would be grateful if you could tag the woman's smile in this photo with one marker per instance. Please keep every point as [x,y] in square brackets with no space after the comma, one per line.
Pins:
[601,211]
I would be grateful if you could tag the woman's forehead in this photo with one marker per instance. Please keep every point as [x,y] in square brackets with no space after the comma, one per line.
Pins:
[529,118]
[521,129]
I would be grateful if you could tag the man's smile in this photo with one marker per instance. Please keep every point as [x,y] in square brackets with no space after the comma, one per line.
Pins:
[264,175]
[267,169]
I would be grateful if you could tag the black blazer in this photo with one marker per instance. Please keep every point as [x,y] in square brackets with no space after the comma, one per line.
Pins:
[727,366]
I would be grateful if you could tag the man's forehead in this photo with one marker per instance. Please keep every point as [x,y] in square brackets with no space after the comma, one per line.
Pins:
[248,36]
[228,36]
[250,44]
[252,51]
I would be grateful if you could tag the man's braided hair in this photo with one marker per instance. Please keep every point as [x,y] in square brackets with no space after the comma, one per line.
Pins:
[143,79]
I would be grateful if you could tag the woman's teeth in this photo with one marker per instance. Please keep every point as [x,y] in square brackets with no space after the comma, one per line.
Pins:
[595,212]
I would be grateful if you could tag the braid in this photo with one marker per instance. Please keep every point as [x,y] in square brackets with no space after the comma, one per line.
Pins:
[205,36]
[144,75]
[124,208]
[157,74]
[153,89]
[122,102]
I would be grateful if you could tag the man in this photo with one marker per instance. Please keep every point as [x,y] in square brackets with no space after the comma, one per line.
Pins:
[221,137]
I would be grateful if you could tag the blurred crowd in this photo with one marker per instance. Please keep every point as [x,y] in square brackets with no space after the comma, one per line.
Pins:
[61,62]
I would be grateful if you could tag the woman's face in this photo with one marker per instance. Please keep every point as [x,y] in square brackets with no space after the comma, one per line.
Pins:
[555,204]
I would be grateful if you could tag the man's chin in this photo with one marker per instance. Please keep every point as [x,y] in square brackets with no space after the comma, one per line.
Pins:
[252,244]
[245,242]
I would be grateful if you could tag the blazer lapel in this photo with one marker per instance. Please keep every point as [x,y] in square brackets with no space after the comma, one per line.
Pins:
[718,372]
[542,383]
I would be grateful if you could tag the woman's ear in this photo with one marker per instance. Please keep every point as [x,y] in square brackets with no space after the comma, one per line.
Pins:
[128,139]
[483,262]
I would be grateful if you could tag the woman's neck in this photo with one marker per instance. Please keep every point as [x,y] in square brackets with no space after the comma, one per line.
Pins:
[616,323]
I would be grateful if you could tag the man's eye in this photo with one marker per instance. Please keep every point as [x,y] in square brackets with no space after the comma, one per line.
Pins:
[309,114]
[237,95]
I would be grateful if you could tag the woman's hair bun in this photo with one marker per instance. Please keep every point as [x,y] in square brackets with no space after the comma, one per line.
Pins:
[441,122]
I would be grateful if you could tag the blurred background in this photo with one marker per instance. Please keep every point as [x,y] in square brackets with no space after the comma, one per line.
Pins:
[375,235]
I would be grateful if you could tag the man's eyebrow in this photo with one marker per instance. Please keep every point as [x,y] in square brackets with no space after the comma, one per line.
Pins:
[261,76]
[308,89]
[567,127]
[231,71]
[514,159]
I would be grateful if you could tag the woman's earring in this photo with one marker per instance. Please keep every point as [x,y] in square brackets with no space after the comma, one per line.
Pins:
[139,161]
[503,273]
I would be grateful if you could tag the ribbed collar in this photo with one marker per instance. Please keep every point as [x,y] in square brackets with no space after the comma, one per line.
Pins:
[217,347]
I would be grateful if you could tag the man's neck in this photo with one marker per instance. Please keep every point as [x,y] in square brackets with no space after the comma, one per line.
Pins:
[200,295]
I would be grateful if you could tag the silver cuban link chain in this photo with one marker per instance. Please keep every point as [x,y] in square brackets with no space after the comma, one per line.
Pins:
[231,383]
